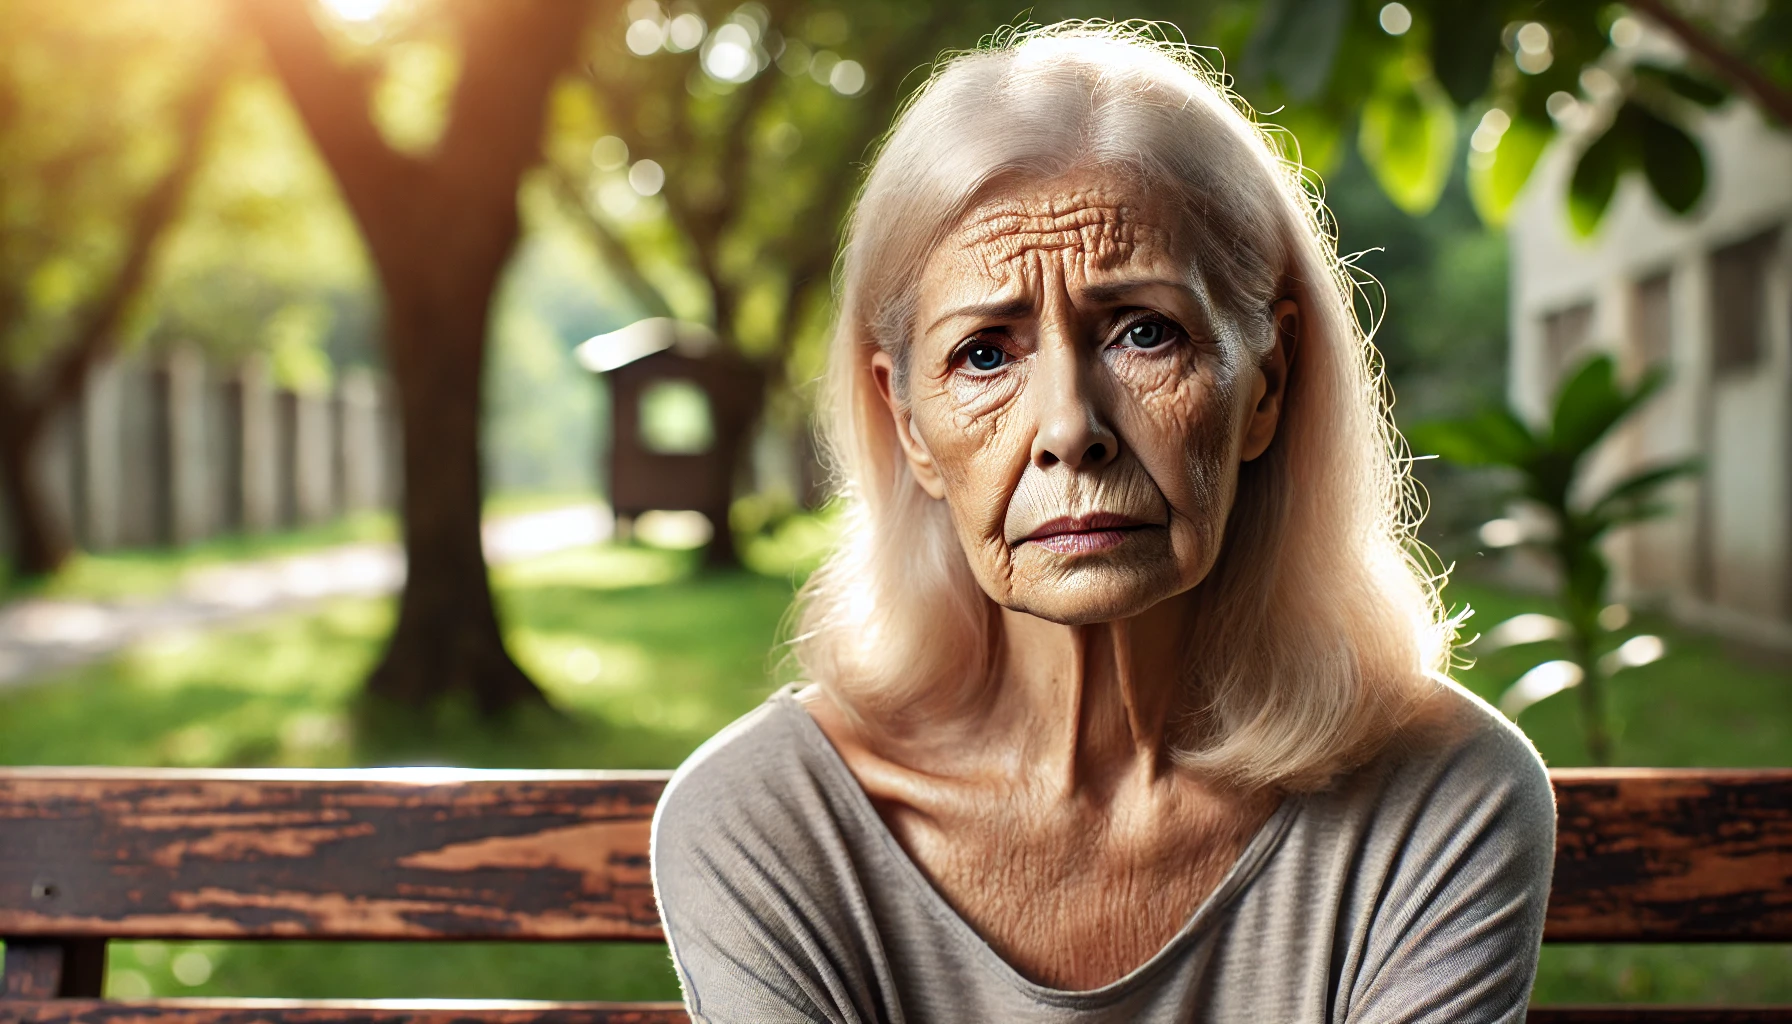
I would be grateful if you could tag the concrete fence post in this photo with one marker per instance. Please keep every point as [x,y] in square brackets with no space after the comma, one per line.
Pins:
[360,446]
[257,447]
[313,458]
[189,485]
[100,456]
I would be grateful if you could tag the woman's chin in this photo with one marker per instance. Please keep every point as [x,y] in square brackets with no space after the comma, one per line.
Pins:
[1087,587]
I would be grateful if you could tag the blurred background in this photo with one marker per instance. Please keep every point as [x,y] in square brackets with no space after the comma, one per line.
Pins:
[429,382]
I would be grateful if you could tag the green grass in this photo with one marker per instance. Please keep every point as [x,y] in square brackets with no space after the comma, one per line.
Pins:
[145,572]
[1697,707]
[141,572]
[647,656]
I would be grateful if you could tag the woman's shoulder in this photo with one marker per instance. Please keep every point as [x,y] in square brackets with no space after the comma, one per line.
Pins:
[1458,758]
[762,781]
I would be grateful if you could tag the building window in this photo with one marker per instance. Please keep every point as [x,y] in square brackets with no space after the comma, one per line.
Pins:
[1652,322]
[1739,303]
[1565,333]
[675,419]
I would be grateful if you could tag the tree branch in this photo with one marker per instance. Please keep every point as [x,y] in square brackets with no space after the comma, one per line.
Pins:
[616,255]
[507,54]
[332,101]
[96,330]
[1770,96]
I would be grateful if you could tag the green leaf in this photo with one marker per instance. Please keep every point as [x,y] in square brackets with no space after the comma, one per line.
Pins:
[1630,498]
[1495,185]
[1407,135]
[1595,179]
[1317,135]
[1672,161]
[1494,438]
[1702,91]
[1295,42]
[1586,407]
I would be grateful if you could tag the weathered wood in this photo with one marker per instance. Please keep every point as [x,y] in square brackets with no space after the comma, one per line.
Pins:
[1652,855]
[33,970]
[1659,1015]
[49,968]
[400,854]
[1642,856]
[377,1011]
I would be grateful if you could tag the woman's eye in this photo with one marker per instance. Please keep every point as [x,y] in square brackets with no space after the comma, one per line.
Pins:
[984,356]
[1146,334]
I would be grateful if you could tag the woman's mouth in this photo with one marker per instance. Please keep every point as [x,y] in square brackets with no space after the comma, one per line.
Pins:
[1083,535]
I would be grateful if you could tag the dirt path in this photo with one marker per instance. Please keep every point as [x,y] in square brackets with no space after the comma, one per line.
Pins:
[40,635]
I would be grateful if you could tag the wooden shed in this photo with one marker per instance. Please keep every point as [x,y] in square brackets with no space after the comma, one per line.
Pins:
[662,364]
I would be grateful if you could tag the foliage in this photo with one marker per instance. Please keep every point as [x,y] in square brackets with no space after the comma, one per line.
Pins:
[1584,70]
[90,105]
[1551,466]
[264,256]
[712,151]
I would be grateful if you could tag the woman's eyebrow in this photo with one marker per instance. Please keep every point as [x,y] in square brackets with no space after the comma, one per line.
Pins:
[1003,309]
[1114,291]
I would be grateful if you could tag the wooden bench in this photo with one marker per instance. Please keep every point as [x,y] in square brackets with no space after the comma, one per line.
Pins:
[88,855]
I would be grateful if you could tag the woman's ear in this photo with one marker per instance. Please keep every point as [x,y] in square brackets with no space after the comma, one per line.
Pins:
[1272,380]
[914,449]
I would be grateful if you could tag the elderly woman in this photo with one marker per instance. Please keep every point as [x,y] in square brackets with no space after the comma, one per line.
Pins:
[1123,696]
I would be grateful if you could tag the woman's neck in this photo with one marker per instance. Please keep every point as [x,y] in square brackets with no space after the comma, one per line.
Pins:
[1091,705]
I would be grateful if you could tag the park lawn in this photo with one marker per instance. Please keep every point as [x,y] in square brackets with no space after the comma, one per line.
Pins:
[646,656]
[149,572]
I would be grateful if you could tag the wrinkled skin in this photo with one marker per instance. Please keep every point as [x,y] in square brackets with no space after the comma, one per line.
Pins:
[1069,367]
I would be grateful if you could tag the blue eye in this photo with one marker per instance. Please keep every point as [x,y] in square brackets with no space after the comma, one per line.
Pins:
[1147,334]
[984,356]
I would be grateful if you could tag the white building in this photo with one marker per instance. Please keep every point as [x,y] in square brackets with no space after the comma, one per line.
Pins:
[1710,296]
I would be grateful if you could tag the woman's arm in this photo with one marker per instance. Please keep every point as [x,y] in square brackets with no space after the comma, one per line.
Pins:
[1457,924]
[761,902]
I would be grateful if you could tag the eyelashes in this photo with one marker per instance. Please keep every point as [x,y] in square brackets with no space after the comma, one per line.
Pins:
[987,352]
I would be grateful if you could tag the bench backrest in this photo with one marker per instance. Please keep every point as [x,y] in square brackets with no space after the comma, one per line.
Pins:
[88,855]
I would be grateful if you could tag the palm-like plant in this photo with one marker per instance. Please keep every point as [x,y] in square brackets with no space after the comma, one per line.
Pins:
[1550,465]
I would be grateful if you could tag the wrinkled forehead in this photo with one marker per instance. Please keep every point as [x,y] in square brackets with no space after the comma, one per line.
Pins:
[1096,222]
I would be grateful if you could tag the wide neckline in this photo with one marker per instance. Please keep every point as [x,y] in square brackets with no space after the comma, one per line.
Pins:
[1244,870]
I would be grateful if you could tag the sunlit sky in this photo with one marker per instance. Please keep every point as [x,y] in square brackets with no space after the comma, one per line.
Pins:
[356,10]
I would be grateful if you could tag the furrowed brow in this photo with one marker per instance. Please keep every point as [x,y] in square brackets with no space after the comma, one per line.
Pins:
[1117,290]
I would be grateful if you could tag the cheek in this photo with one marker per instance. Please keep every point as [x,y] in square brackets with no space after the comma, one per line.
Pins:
[1184,430]
[975,431]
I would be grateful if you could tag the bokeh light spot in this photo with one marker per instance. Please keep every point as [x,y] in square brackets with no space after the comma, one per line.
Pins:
[647,177]
[1395,19]
[847,77]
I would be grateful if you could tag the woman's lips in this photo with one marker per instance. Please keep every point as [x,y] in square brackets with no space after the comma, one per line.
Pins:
[1081,535]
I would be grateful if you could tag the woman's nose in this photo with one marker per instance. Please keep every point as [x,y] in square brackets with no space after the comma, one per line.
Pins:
[1072,429]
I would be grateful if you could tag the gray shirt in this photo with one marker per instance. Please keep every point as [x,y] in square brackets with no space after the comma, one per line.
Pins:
[1412,889]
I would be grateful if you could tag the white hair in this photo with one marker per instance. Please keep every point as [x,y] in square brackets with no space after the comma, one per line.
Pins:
[1319,630]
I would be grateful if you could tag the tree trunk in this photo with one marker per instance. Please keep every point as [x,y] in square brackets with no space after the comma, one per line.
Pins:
[440,228]
[447,639]
[38,541]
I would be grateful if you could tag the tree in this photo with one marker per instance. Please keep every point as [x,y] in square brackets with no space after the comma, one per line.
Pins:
[80,223]
[440,221]
[1532,71]
[1551,466]
[713,160]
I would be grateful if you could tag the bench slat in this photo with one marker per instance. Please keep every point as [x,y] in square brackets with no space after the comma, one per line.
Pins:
[1659,1015]
[337,855]
[1643,855]
[377,1011]
[282,1011]
[1657,855]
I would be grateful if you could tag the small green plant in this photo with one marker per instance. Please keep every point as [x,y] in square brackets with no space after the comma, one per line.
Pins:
[1550,464]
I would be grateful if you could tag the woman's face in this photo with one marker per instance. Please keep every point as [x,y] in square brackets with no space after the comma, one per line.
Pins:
[1078,399]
